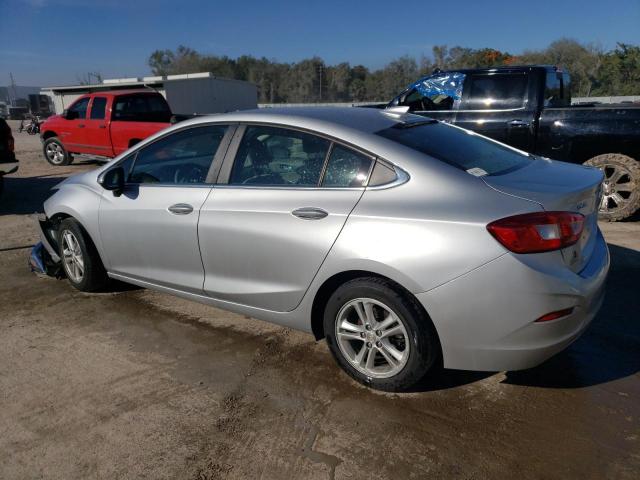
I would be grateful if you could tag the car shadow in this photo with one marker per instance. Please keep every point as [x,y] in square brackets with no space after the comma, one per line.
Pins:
[25,195]
[610,348]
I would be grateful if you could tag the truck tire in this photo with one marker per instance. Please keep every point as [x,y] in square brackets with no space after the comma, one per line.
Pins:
[55,153]
[621,186]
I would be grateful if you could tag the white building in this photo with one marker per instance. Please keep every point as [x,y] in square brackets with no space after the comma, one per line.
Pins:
[186,94]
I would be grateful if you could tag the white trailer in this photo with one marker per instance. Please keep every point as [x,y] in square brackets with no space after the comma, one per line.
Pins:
[199,93]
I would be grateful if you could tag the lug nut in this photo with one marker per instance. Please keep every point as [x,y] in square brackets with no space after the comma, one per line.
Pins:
[362,335]
[379,333]
[368,344]
[367,326]
[378,344]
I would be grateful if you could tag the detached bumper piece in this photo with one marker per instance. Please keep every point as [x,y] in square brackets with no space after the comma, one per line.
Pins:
[44,259]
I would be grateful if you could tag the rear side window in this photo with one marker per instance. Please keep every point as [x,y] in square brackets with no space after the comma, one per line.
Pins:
[496,91]
[183,157]
[463,149]
[97,108]
[346,168]
[272,156]
[141,108]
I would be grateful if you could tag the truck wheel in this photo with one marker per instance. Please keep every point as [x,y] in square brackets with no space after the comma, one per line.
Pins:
[55,152]
[621,186]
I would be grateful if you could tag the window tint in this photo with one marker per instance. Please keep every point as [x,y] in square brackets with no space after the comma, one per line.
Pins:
[97,108]
[496,91]
[279,156]
[346,168]
[437,92]
[461,148]
[141,108]
[181,157]
[80,108]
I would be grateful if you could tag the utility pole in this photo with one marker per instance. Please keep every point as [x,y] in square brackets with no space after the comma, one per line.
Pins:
[14,97]
[320,69]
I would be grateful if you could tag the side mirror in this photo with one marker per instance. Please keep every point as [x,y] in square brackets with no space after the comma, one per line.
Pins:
[113,179]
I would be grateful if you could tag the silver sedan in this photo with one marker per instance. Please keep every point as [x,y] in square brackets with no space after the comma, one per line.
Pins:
[405,242]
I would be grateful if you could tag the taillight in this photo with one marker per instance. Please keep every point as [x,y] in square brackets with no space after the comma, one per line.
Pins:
[555,315]
[11,144]
[538,232]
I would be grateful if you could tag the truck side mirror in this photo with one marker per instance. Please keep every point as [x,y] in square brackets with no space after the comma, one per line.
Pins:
[113,179]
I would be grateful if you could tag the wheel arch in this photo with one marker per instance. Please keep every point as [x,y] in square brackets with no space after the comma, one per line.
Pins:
[48,134]
[331,284]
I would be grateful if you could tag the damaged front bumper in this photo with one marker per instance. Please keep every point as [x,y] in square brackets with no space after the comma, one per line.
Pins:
[44,258]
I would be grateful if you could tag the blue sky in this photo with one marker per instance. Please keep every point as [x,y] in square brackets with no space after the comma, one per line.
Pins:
[51,42]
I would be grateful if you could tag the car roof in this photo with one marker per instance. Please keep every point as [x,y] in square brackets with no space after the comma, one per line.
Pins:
[321,119]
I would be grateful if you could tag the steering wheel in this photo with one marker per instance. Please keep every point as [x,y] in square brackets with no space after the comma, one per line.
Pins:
[189,174]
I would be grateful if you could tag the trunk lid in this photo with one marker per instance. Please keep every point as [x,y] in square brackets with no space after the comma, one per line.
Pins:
[559,186]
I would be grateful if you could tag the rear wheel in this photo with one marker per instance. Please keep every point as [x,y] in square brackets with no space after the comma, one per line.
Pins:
[80,259]
[379,334]
[621,185]
[55,153]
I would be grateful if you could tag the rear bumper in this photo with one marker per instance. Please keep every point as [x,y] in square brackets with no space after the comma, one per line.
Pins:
[486,318]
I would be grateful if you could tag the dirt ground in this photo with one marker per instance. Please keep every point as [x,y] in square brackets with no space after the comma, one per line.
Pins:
[137,384]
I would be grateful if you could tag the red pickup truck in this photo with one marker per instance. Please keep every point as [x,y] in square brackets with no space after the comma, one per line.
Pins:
[104,124]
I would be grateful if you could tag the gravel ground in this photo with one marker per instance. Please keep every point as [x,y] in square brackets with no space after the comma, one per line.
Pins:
[137,384]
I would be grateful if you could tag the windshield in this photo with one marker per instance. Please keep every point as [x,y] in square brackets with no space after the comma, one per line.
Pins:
[461,148]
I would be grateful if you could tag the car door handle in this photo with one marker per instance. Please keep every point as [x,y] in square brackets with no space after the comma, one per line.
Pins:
[81,125]
[518,124]
[102,126]
[181,209]
[310,213]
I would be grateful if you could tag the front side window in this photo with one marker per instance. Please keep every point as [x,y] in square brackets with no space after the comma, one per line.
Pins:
[183,157]
[98,107]
[346,168]
[272,156]
[141,108]
[442,91]
[79,109]
[500,91]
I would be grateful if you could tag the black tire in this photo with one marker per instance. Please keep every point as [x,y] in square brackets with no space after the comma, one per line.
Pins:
[619,204]
[55,153]
[94,277]
[424,352]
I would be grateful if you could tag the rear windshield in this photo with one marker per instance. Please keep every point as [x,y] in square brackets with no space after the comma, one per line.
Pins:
[461,148]
[141,108]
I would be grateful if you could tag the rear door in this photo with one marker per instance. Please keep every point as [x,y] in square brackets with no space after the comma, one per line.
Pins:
[282,198]
[496,104]
[96,128]
[150,232]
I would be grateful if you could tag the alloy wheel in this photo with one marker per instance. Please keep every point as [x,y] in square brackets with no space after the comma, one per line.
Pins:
[372,338]
[72,257]
[617,188]
[55,153]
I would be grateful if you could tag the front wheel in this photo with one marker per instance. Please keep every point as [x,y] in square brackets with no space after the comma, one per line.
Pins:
[621,185]
[80,259]
[55,153]
[380,335]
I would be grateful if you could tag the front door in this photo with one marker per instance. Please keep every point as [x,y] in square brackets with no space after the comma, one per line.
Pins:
[266,230]
[74,134]
[150,232]
[96,129]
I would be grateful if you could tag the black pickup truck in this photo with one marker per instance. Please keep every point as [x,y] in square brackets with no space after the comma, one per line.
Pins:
[529,107]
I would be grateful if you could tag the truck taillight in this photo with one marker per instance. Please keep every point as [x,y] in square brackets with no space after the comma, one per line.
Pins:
[538,232]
